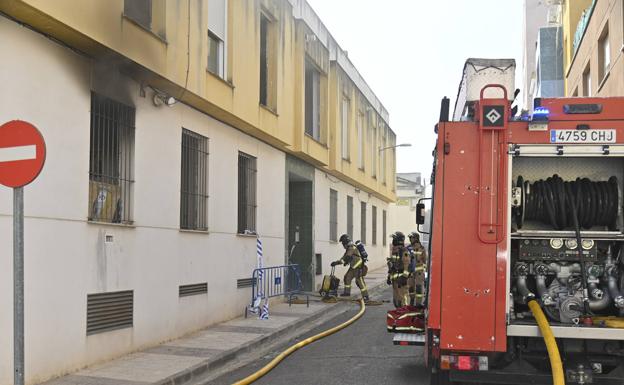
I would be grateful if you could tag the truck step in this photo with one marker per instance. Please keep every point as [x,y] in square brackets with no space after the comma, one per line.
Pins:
[409,339]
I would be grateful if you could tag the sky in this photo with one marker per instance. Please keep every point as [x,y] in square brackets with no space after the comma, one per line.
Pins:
[412,53]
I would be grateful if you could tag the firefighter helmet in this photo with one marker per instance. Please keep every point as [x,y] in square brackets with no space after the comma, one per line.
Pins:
[344,239]
[398,238]
[414,236]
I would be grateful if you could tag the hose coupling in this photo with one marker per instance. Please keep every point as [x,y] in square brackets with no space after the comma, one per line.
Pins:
[619,301]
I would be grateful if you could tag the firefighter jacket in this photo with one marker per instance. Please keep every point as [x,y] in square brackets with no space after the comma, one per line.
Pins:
[352,257]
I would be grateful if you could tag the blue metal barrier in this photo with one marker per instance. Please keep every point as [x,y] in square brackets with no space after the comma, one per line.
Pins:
[277,281]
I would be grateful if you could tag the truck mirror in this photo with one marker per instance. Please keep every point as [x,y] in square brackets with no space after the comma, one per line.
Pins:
[420,214]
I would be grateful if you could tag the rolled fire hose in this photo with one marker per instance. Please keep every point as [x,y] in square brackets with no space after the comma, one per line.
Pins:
[553,350]
[268,367]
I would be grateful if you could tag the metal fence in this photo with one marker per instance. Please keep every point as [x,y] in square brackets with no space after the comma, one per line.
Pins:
[277,281]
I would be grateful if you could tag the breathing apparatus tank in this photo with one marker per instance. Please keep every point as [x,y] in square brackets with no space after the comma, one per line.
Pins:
[362,250]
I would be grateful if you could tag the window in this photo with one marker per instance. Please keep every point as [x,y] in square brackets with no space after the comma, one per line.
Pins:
[333,215]
[194,183]
[246,194]
[350,216]
[345,127]
[268,47]
[140,11]
[215,55]
[363,221]
[604,54]
[382,154]
[374,214]
[312,101]
[587,81]
[374,150]
[384,233]
[360,130]
[217,32]
[111,161]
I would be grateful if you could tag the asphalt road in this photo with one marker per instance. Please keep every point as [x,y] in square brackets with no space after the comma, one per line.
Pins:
[361,354]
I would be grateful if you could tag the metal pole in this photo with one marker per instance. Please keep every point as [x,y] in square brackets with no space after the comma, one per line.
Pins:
[18,285]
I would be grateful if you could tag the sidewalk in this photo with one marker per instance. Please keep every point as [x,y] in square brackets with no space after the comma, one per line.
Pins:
[188,359]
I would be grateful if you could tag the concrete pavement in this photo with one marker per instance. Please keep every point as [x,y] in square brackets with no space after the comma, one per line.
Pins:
[199,357]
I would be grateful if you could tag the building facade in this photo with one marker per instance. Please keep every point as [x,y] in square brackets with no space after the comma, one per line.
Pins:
[177,134]
[594,45]
[410,188]
[543,51]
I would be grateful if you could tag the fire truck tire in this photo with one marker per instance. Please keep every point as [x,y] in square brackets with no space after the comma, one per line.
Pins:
[440,378]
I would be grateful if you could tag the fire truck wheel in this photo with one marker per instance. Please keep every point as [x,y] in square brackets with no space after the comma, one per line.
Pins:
[440,378]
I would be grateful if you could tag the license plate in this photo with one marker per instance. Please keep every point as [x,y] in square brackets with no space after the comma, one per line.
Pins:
[582,136]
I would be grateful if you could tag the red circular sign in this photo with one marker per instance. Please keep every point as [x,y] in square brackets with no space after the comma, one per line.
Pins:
[22,153]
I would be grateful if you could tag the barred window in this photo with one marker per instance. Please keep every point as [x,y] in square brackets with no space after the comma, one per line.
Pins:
[246,194]
[374,214]
[363,221]
[194,183]
[111,161]
[333,215]
[350,216]
[384,233]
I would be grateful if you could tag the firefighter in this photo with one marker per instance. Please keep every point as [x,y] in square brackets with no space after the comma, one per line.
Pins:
[418,268]
[398,270]
[356,270]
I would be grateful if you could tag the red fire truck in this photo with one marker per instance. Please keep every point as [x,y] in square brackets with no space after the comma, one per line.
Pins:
[526,210]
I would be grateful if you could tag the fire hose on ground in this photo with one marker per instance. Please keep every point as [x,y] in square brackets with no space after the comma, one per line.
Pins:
[268,367]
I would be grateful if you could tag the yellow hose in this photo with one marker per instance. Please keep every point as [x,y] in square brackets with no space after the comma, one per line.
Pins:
[553,350]
[255,376]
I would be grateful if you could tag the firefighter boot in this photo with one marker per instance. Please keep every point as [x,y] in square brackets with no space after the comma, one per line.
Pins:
[346,292]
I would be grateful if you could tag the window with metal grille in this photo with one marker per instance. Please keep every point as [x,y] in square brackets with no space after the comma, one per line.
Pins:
[140,11]
[333,215]
[350,216]
[360,130]
[384,233]
[374,218]
[193,289]
[109,311]
[194,184]
[363,221]
[246,194]
[111,161]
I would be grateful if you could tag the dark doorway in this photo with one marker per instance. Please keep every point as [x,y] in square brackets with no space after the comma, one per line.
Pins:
[300,219]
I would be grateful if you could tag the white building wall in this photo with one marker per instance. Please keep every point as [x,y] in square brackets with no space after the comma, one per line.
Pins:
[67,258]
[331,250]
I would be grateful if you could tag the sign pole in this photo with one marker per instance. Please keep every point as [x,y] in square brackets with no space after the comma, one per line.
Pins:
[18,285]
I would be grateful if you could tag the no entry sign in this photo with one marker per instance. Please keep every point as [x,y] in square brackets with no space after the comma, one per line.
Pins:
[22,153]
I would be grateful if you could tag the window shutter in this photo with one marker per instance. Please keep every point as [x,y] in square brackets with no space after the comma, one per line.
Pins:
[217,11]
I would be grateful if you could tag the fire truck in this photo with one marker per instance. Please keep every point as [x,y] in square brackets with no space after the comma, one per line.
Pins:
[525,276]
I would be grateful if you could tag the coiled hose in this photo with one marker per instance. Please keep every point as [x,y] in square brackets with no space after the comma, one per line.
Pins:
[268,367]
[551,344]
[553,200]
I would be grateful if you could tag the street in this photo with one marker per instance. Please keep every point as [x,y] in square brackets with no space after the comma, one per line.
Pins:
[363,353]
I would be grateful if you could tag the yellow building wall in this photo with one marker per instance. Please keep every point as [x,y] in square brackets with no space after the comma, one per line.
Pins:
[173,57]
[572,12]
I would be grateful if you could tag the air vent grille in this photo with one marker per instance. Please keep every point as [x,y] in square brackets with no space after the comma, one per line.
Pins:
[109,311]
[244,282]
[193,289]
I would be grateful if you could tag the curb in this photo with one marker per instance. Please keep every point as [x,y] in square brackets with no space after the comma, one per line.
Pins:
[195,373]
